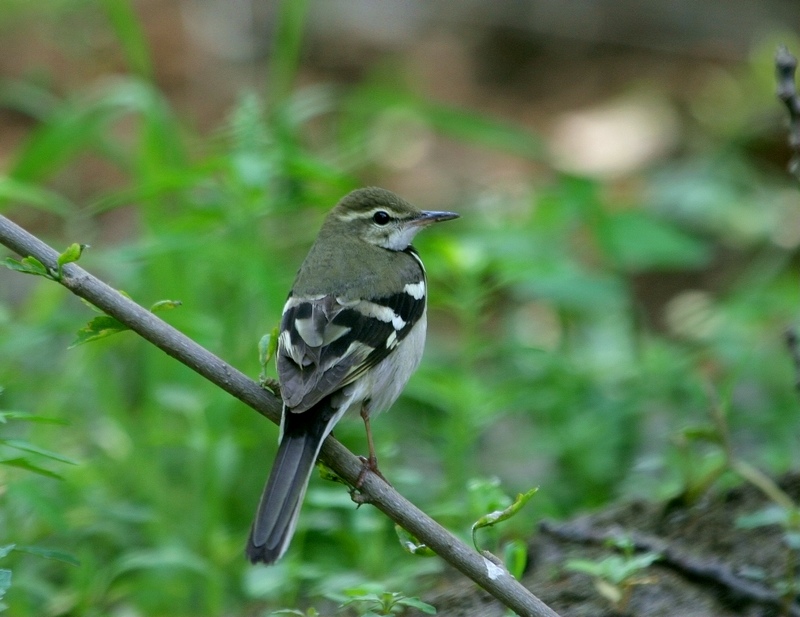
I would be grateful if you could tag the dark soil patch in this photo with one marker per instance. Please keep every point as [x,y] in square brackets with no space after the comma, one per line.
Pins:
[710,567]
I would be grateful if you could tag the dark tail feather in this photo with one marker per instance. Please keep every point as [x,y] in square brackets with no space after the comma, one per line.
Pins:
[280,503]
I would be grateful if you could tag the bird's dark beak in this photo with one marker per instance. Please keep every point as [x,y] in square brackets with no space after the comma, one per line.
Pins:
[427,217]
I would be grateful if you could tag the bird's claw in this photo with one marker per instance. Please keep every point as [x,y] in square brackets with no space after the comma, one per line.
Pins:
[271,384]
[369,464]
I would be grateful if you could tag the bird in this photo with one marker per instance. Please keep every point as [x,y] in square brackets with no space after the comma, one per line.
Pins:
[352,333]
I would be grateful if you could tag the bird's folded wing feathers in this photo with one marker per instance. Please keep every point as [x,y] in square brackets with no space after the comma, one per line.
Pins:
[327,342]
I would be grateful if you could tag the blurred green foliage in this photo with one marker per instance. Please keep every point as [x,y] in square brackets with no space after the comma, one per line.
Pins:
[546,364]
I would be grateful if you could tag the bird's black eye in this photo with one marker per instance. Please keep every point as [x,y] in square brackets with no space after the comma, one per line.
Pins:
[381,217]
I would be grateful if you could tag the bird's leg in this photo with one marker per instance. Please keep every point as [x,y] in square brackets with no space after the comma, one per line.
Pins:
[370,463]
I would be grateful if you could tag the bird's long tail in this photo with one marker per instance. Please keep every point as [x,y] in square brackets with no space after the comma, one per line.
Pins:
[276,518]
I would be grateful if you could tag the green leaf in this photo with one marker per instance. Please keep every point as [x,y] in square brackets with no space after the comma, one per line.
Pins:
[584,566]
[459,123]
[130,36]
[488,520]
[792,539]
[706,433]
[5,550]
[28,98]
[165,305]
[35,266]
[5,583]
[171,557]
[19,444]
[515,557]
[28,265]
[24,416]
[23,463]
[72,253]
[772,515]
[99,327]
[418,604]
[640,562]
[614,569]
[637,241]
[84,123]
[49,553]
[489,132]
[267,347]
[16,191]
[285,56]
[411,545]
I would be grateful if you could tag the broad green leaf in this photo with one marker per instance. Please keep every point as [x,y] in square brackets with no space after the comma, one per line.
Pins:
[515,557]
[637,241]
[165,557]
[418,604]
[701,433]
[16,191]
[5,583]
[614,569]
[49,553]
[68,131]
[357,595]
[83,123]
[771,515]
[25,446]
[168,182]
[592,568]
[24,416]
[28,265]
[99,327]
[35,266]
[23,463]
[29,98]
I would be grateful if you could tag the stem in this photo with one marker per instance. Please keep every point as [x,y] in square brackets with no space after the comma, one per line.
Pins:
[745,470]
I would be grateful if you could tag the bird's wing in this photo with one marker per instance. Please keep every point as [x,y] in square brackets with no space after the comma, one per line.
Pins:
[327,342]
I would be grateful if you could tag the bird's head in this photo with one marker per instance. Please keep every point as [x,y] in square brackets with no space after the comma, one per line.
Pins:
[381,218]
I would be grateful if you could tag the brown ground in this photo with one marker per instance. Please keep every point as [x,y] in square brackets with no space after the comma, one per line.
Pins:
[710,567]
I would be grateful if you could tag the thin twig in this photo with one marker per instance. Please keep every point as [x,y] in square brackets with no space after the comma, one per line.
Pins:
[745,470]
[785,67]
[497,581]
[689,565]
[793,344]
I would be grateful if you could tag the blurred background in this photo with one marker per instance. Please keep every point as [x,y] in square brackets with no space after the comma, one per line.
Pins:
[625,263]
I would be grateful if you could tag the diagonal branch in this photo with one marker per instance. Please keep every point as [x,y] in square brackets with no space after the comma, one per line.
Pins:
[494,579]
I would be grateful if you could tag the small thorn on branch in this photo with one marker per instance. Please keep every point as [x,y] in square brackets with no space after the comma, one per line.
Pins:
[785,67]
